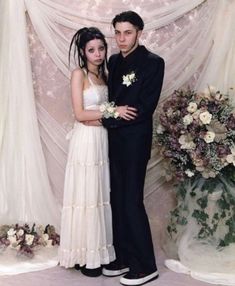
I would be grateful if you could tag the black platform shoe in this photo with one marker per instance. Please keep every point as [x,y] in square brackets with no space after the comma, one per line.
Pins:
[77,267]
[95,272]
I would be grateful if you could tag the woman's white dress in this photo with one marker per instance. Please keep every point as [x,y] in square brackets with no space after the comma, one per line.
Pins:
[86,227]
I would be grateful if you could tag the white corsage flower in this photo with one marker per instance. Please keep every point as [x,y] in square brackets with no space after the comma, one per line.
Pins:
[128,79]
[102,107]
[209,136]
[205,117]
[109,109]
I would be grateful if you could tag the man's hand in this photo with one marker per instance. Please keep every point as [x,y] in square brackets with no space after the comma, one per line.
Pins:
[127,112]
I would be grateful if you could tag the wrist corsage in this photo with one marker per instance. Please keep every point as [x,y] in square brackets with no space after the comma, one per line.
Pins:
[108,109]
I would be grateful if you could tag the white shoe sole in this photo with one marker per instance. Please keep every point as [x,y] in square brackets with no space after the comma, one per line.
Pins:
[113,273]
[140,281]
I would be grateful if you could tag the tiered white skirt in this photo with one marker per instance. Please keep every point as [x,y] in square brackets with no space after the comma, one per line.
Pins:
[86,227]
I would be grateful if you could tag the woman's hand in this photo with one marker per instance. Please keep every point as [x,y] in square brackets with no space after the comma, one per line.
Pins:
[92,123]
[126,112]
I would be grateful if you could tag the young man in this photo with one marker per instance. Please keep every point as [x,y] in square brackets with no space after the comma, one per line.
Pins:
[135,80]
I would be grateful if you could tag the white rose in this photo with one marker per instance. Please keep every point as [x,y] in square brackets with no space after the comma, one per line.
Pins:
[40,229]
[231,157]
[209,137]
[196,114]
[208,174]
[11,232]
[205,117]
[182,139]
[45,236]
[189,173]
[160,129]
[12,239]
[29,239]
[192,107]
[186,142]
[200,168]
[20,232]
[188,119]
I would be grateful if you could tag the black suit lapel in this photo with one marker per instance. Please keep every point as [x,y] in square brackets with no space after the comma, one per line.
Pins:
[114,90]
[111,80]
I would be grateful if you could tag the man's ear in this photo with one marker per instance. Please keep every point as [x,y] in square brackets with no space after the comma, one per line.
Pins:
[139,33]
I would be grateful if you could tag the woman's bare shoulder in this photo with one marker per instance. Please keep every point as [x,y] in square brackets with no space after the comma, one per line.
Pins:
[78,73]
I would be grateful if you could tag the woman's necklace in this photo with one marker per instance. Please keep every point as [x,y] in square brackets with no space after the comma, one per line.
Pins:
[95,74]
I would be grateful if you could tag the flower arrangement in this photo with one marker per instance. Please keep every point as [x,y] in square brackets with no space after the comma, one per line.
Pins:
[196,136]
[108,110]
[196,133]
[25,239]
[128,79]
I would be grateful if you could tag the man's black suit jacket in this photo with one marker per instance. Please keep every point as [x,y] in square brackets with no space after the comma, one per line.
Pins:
[132,140]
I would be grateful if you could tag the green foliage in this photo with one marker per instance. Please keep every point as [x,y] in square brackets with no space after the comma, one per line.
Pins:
[199,194]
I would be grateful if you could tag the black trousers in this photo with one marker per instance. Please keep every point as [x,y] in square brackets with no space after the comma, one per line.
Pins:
[131,232]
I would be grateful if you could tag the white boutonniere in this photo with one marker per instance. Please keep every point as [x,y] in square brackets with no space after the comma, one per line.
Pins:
[129,78]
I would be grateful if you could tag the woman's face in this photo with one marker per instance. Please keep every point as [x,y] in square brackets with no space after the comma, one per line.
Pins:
[95,52]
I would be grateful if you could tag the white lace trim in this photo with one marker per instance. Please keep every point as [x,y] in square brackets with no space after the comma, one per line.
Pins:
[87,207]
[88,164]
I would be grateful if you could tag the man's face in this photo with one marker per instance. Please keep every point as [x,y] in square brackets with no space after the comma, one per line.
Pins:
[127,37]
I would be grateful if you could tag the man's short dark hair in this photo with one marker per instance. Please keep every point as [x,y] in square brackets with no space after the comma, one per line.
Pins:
[131,17]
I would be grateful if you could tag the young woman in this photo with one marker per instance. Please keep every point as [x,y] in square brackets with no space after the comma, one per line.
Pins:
[86,230]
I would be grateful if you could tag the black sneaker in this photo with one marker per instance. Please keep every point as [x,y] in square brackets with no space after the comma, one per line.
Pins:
[114,269]
[138,278]
[95,272]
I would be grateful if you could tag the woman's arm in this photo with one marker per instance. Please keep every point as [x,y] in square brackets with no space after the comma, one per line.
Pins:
[77,88]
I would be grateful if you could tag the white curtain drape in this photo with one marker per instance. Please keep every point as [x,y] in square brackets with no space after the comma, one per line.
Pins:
[196,39]
[24,183]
